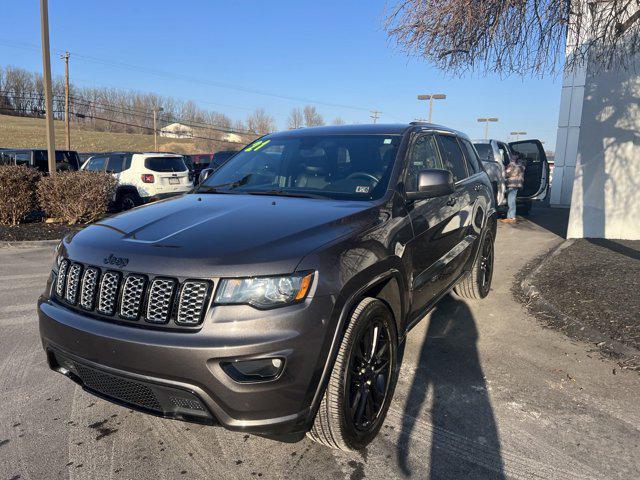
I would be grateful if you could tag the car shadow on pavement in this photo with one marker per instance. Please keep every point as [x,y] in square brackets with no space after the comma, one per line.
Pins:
[465,441]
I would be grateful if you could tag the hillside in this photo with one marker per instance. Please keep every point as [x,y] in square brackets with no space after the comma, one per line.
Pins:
[25,132]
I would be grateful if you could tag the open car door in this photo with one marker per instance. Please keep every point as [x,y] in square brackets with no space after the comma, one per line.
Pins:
[536,174]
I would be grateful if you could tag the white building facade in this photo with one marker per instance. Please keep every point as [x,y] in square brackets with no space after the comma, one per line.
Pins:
[597,164]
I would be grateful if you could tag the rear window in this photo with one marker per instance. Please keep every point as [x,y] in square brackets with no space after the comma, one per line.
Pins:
[165,164]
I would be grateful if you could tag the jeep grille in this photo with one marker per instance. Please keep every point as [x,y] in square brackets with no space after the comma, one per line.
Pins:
[132,296]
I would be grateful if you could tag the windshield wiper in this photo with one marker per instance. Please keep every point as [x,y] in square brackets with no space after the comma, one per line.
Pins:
[282,193]
[230,185]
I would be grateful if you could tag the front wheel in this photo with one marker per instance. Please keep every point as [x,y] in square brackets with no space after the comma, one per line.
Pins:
[362,382]
[477,283]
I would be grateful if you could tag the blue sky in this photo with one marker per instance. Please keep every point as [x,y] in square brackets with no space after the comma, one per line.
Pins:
[331,53]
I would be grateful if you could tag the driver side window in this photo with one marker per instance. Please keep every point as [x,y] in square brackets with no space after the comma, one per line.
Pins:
[423,155]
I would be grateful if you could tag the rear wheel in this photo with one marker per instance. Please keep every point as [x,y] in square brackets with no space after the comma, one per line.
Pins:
[477,283]
[362,382]
[128,200]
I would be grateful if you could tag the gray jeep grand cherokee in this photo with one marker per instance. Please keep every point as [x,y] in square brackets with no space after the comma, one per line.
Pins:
[275,298]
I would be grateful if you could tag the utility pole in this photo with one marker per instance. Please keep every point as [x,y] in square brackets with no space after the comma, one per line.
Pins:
[155,127]
[375,114]
[517,134]
[48,95]
[431,97]
[486,125]
[65,57]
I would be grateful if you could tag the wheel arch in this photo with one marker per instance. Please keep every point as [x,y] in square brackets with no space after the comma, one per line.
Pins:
[122,189]
[386,287]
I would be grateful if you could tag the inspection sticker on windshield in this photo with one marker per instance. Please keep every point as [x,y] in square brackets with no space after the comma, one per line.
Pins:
[254,147]
[387,141]
[362,189]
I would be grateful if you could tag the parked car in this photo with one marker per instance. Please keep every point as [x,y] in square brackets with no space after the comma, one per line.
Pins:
[201,161]
[143,177]
[275,298]
[36,158]
[84,156]
[495,155]
[218,159]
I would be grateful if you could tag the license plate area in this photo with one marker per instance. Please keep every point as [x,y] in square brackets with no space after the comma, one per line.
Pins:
[174,181]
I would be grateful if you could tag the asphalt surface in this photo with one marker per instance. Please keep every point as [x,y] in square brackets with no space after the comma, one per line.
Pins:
[484,392]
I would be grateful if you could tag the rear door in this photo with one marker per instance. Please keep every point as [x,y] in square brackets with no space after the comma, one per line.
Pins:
[536,173]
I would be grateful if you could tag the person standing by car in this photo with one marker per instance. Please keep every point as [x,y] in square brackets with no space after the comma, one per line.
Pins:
[514,177]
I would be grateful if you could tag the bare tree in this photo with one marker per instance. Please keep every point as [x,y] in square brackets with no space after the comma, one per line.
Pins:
[338,121]
[311,117]
[295,120]
[521,37]
[260,122]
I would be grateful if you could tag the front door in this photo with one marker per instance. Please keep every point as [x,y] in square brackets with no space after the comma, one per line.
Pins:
[434,222]
[536,172]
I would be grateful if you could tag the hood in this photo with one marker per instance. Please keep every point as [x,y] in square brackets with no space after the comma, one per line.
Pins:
[218,235]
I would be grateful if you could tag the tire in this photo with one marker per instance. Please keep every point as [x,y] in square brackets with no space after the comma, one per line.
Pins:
[335,424]
[128,200]
[477,283]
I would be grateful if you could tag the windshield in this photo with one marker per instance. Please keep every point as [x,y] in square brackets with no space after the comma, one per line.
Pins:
[485,152]
[339,166]
[165,164]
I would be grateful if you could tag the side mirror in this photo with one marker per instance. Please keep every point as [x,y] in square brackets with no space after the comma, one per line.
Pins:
[432,183]
[204,174]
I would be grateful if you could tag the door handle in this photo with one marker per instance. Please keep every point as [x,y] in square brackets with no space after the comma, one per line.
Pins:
[452,201]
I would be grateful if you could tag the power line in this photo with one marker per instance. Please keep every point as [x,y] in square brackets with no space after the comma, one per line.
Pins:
[375,114]
[186,78]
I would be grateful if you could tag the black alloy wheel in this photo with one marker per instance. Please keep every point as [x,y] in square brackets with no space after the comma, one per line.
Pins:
[368,379]
[485,271]
[362,381]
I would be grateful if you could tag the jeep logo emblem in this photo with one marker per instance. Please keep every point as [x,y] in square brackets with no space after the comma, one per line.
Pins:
[117,261]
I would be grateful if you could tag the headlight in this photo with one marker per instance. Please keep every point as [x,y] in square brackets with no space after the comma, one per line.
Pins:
[57,256]
[264,292]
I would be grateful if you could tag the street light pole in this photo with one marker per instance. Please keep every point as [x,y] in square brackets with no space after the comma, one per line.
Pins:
[48,95]
[486,121]
[517,134]
[65,57]
[431,97]
[155,128]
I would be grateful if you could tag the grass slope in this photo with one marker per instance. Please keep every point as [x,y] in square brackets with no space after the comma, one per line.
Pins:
[24,132]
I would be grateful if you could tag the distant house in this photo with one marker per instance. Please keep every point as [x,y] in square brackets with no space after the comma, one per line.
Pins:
[177,130]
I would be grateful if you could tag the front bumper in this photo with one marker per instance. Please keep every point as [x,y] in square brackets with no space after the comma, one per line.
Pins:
[188,364]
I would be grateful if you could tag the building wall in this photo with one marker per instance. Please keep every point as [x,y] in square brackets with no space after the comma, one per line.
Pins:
[597,169]
[605,200]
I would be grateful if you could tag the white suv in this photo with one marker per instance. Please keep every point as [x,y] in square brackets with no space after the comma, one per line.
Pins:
[142,177]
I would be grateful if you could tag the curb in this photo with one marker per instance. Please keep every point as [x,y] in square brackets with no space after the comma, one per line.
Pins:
[30,244]
[533,296]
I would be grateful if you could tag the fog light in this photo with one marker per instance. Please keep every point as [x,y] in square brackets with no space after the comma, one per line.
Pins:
[253,370]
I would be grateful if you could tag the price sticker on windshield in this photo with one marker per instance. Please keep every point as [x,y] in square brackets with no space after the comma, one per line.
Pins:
[254,147]
[362,189]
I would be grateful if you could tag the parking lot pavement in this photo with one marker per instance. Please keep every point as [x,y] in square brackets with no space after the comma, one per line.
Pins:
[484,392]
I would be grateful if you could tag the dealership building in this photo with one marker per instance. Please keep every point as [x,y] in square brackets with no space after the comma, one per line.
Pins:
[597,163]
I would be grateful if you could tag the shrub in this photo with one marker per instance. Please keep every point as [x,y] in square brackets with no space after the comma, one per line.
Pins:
[17,193]
[76,197]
